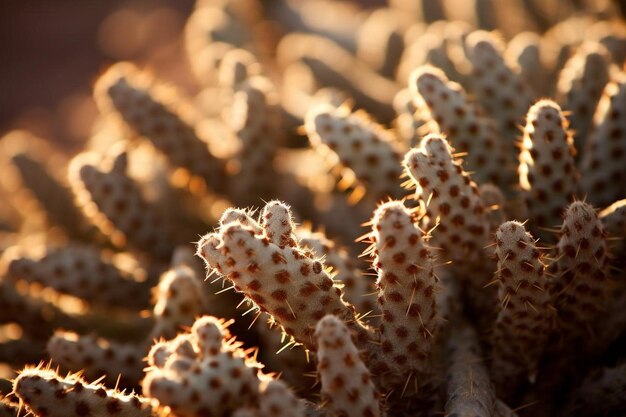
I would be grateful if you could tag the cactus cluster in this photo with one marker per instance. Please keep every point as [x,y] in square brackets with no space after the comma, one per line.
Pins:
[414,210]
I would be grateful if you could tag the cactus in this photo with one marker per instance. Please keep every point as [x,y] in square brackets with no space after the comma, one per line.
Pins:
[358,144]
[81,271]
[495,204]
[357,290]
[263,260]
[409,118]
[347,386]
[119,208]
[407,286]
[333,66]
[440,45]
[602,165]
[144,108]
[383,51]
[179,299]
[580,290]
[361,186]
[209,358]
[524,55]
[469,390]
[8,408]
[613,220]
[451,201]
[547,171]
[254,120]
[54,196]
[500,91]
[525,317]
[38,317]
[463,126]
[454,209]
[580,87]
[206,358]
[46,393]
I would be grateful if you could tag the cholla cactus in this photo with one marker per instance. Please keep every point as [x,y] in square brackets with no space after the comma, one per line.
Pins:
[263,260]
[97,357]
[580,289]
[547,172]
[254,121]
[210,33]
[236,67]
[523,53]
[55,197]
[179,299]
[501,92]
[360,145]
[293,103]
[382,51]
[82,272]
[410,118]
[525,317]
[118,207]
[580,87]
[347,386]
[36,316]
[455,210]
[407,287]
[45,393]
[469,390]
[277,400]
[146,108]
[358,289]
[440,45]
[333,66]
[603,163]
[465,128]
[210,358]
[181,371]
[451,200]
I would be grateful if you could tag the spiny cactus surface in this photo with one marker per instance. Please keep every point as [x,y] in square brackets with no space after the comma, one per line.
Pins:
[324,209]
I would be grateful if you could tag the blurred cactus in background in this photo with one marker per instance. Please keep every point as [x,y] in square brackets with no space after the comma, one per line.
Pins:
[328,208]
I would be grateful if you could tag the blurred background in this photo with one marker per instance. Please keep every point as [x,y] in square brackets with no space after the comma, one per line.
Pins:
[53,51]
